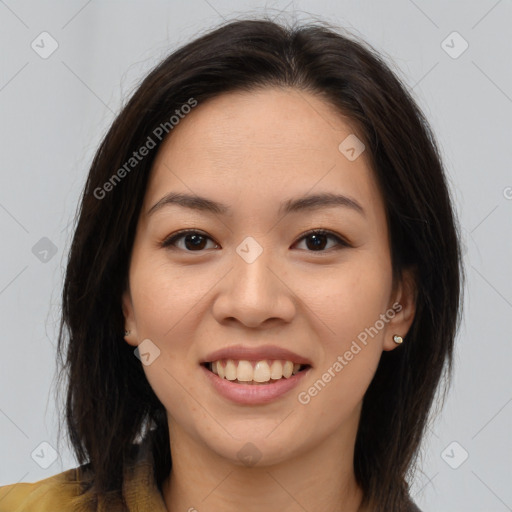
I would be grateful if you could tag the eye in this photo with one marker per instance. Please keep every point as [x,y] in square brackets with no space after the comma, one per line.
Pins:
[318,237]
[194,240]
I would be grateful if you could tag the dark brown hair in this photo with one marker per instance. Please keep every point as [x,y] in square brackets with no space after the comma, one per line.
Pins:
[109,401]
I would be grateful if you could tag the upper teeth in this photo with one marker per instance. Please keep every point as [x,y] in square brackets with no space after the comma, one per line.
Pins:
[261,372]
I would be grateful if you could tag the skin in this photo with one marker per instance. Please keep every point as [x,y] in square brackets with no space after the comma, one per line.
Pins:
[252,151]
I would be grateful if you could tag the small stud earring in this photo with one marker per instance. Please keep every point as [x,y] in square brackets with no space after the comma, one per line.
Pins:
[127,332]
[397,339]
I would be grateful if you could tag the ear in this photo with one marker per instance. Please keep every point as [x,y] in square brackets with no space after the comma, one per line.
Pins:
[403,303]
[129,319]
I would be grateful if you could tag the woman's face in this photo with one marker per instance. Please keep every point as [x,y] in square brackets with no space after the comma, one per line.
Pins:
[249,277]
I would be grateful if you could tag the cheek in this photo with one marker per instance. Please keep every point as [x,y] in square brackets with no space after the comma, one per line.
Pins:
[348,311]
[167,302]
[164,296]
[348,299]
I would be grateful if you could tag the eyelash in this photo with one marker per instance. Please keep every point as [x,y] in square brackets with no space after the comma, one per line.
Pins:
[168,242]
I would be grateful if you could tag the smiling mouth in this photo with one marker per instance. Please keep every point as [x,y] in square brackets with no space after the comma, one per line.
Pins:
[254,372]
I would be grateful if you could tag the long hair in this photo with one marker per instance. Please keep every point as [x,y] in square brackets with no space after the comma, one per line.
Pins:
[109,402]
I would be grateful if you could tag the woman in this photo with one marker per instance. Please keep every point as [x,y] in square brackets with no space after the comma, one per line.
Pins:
[263,288]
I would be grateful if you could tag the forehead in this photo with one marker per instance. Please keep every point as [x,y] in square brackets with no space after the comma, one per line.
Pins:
[264,146]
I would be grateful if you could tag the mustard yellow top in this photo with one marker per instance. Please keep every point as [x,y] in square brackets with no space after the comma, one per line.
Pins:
[60,493]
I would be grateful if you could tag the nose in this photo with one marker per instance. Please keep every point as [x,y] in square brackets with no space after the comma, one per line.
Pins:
[255,292]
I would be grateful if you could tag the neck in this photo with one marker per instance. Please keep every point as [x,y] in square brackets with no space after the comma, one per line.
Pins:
[203,481]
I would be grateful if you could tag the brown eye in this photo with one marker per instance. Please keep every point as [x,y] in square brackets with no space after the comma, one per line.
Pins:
[316,240]
[194,241]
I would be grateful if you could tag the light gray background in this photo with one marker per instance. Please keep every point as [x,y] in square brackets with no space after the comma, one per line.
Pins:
[54,112]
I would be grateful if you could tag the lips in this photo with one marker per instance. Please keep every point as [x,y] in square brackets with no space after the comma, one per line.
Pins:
[252,395]
[255,363]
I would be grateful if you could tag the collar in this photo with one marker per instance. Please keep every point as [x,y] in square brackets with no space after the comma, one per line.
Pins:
[140,490]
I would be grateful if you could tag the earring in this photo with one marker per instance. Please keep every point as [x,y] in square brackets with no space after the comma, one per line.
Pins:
[127,332]
[397,339]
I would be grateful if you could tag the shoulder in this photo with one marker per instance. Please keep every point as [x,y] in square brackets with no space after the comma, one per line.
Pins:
[63,492]
[54,493]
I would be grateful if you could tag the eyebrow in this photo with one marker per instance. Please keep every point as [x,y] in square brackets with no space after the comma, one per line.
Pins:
[303,203]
